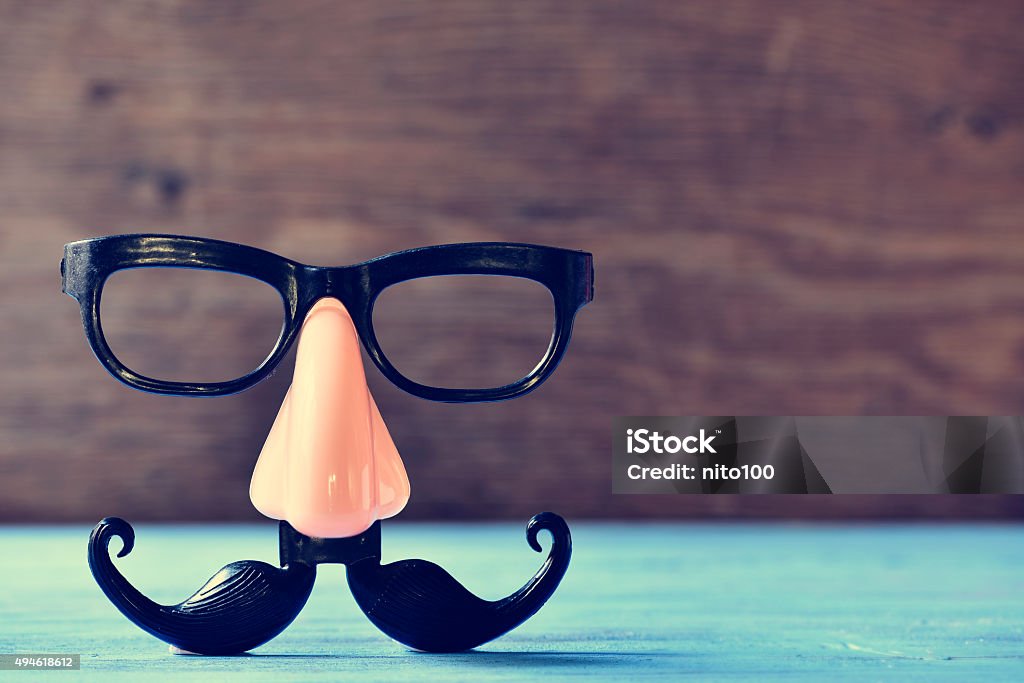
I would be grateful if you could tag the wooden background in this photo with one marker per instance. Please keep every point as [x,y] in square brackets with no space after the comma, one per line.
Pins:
[795,208]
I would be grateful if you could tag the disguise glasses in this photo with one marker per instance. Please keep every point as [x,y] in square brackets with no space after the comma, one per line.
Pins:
[247,603]
[566,274]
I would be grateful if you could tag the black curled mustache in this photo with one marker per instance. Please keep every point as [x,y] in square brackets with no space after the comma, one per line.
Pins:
[247,603]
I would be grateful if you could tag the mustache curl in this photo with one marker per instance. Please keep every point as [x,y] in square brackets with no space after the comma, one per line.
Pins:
[240,607]
[422,606]
[248,603]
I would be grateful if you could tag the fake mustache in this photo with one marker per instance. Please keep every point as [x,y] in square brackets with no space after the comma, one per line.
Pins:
[248,603]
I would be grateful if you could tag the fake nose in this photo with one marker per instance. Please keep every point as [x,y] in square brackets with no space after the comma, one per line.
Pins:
[329,466]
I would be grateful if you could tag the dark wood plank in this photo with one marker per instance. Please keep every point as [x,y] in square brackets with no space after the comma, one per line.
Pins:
[808,208]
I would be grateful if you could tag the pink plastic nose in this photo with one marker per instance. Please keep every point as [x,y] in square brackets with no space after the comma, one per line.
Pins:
[329,466]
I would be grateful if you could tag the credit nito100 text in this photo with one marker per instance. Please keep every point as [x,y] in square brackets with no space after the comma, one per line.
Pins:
[710,472]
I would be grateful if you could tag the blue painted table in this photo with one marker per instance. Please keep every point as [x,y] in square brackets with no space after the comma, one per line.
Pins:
[669,601]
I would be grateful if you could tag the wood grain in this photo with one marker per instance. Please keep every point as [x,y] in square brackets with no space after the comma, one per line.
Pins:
[641,601]
[807,208]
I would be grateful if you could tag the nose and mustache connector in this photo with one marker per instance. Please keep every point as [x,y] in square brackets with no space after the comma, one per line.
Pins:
[329,471]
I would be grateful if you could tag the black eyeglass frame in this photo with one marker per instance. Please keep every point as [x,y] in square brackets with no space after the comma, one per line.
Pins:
[567,274]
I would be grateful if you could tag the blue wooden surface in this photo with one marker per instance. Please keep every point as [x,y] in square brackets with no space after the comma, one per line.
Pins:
[671,601]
